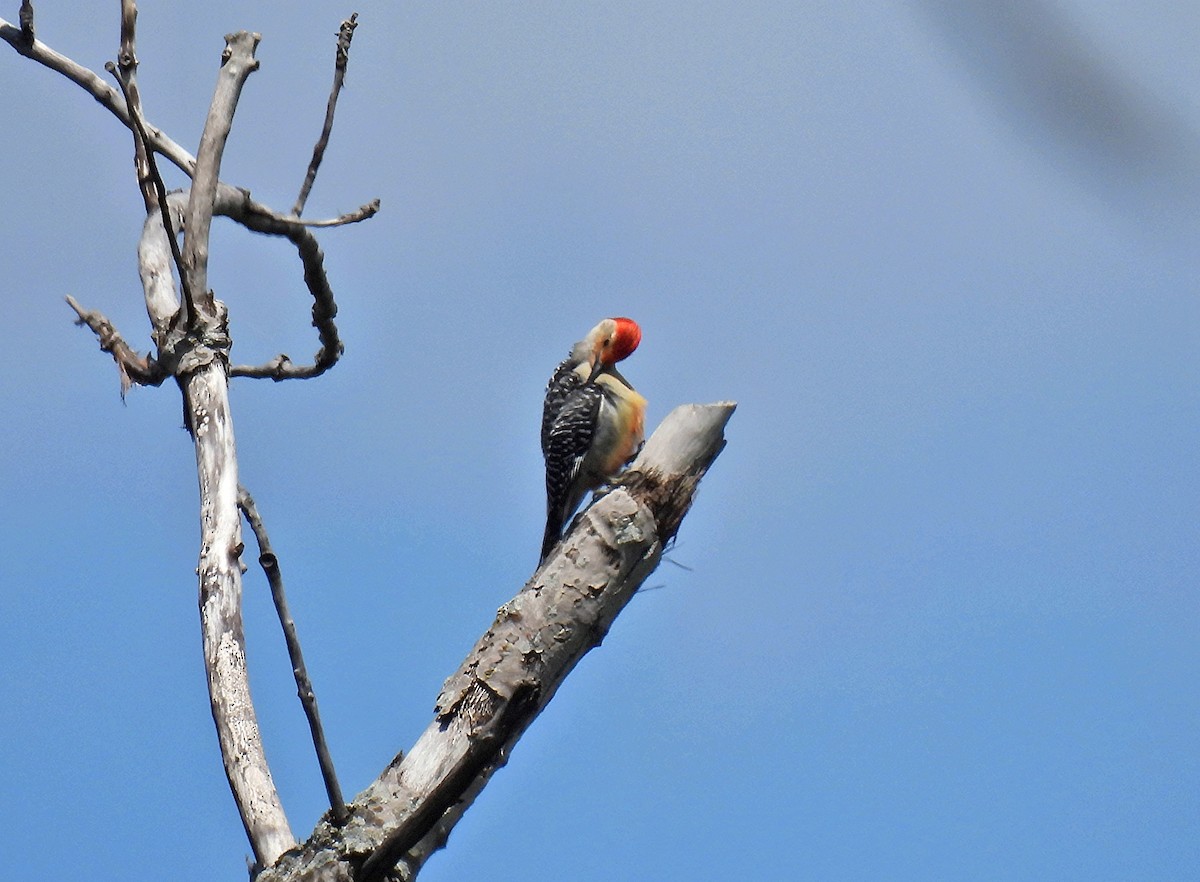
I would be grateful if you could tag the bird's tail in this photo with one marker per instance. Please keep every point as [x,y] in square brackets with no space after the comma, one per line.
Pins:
[550,537]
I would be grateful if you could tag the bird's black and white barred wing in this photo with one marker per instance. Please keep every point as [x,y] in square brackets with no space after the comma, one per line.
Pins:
[566,441]
[564,381]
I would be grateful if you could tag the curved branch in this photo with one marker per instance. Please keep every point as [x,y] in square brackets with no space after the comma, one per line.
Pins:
[154,262]
[324,310]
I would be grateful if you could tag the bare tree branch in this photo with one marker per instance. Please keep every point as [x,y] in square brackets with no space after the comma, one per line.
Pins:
[156,248]
[308,699]
[196,353]
[237,63]
[345,35]
[324,309]
[125,71]
[155,266]
[162,304]
[92,83]
[362,213]
[134,368]
[484,750]
[158,140]
[514,670]
[219,571]
[150,182]
[203,373]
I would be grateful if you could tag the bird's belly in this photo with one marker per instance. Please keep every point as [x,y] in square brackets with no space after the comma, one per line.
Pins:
[621,430]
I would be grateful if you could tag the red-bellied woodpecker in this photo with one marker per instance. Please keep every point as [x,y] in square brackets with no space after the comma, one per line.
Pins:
[592,421]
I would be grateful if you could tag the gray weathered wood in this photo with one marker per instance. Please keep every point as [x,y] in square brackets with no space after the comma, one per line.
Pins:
[205,372]
[203,369]
[220,578]
[535,641]
[537,637]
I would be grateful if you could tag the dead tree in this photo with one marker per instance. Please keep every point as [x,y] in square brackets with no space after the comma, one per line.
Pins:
[390,829]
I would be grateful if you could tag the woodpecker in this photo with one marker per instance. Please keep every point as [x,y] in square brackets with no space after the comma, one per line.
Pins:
[592,421]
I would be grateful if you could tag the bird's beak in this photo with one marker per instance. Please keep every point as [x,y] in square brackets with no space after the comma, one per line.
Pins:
[596,368]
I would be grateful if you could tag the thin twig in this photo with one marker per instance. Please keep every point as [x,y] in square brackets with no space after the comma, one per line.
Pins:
[270,565]
[150,181]
[127,64]
[158,140]
[345,35]
[159,191]
[134,368]
[94,85]
[362,213]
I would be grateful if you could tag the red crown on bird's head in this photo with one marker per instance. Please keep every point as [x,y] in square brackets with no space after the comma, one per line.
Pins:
[625,339]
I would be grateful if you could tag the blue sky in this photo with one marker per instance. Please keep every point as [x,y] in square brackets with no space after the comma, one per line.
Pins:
[939,613]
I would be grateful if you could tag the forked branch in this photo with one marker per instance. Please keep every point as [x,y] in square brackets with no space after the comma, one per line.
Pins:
[154,259]
[112,100]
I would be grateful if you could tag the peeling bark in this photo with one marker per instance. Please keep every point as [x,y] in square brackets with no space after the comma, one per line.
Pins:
[204,375]
[220,577]
[515,668]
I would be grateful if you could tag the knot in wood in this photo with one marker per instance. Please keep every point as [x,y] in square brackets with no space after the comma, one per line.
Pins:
[626,529]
